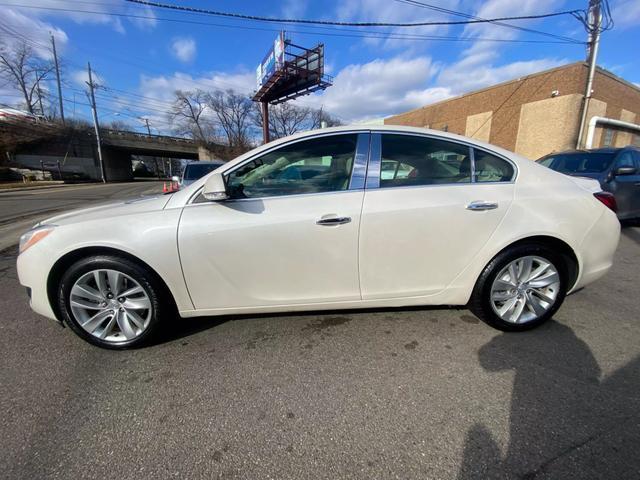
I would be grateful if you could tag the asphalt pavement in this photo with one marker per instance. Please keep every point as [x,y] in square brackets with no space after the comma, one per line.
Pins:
[397,393]
[19,210]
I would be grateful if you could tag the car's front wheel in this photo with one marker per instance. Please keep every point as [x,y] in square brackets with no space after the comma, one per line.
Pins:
[520,288]
[110,301]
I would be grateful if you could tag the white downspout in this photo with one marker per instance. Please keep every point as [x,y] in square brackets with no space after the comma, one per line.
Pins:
[606,121]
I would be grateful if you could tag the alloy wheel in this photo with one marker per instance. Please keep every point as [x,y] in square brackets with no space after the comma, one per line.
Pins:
[110,305]
[525,289]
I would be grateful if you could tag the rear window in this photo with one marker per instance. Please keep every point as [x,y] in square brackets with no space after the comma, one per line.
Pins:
[579,163]
[194,171]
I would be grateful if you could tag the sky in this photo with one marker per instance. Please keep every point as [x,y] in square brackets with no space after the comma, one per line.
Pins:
[141,55]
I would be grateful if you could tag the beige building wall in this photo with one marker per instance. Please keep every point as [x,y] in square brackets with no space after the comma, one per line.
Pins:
[624,138]
[548,126]
[479,126]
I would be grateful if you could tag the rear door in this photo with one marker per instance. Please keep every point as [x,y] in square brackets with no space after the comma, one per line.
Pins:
[433,208]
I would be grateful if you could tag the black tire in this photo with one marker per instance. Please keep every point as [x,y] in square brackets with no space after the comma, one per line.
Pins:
[480,302]
[145,278]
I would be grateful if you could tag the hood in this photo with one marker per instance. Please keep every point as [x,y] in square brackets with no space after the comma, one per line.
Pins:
[137,205]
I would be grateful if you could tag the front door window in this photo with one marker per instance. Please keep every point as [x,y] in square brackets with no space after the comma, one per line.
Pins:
[312,166]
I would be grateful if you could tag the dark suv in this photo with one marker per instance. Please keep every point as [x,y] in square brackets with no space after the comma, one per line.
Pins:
[617,170]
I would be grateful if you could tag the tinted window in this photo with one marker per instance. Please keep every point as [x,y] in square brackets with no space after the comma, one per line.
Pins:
[194,171]
[411,160]
[579,163]
[489,168]
[625,159]
[311,166]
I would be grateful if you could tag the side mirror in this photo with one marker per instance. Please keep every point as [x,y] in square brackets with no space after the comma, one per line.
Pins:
[625,171]
[214,188]
[175,178]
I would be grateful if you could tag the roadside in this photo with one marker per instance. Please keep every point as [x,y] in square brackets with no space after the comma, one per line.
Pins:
[21,209]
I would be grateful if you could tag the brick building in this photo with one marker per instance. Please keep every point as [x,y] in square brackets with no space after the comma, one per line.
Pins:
[540,113]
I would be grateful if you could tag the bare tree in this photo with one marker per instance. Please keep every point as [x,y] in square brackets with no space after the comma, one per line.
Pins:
[287,119]
[234,114]
[188,114]
[22,70]
[320,118]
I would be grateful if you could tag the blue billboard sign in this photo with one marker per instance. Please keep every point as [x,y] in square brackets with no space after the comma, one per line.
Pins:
[273,61]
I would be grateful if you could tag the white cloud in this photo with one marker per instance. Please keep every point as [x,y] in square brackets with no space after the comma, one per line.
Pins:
[94,14]
[626,14]
[81,78]
[36,33]
[472,74]
[183,48]
[388,11]
[380,88]
[294,8]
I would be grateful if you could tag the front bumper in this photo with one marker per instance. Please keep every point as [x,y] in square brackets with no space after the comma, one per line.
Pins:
[33,268]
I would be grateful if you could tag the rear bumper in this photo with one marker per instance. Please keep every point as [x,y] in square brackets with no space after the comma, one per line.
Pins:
[598,249]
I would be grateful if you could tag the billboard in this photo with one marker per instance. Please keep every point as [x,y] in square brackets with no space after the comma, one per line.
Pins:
[273,61]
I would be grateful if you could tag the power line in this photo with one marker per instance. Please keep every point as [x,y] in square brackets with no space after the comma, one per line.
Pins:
[332,22]
[416,3]
[364,34]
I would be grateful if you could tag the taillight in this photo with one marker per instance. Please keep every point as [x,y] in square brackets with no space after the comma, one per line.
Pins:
[608,199]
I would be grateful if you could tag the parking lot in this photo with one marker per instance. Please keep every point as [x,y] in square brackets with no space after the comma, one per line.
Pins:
[398,393]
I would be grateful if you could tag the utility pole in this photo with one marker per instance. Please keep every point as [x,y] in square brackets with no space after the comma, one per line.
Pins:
[39,93]
[146,121]
[595,23]
[92,99]
[55,59]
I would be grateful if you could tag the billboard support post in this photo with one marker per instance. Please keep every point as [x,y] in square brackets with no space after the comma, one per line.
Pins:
[265,122]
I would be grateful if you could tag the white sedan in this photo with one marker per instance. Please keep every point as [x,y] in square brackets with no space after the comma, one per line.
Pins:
[339,218]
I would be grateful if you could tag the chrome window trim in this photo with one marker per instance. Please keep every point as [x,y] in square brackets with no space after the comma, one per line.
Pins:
[471,146]
[320,134]
[375,161]
[360,162]
[472,158]
[254,199]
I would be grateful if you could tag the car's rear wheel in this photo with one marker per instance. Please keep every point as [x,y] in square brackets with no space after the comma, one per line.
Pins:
[110,301]
[520,288]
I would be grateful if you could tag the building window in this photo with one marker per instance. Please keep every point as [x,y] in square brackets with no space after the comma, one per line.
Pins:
[607,138]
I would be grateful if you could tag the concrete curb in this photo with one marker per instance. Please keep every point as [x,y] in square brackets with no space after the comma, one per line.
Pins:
[39,187]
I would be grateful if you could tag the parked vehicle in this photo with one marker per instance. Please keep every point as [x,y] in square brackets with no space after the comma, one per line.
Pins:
[617,170]
[195,170]
[308,222]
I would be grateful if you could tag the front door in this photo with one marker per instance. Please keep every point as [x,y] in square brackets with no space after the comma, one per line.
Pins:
[289,233]
[431,208]
[626,188]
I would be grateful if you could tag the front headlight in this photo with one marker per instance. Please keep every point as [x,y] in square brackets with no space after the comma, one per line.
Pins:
[34,235]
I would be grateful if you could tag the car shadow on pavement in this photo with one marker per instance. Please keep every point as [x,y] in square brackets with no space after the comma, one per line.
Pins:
[565,420]
[179,328]
[629,231]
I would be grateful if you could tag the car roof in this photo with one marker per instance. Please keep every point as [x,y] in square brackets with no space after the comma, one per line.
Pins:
[593,150]
[205,162]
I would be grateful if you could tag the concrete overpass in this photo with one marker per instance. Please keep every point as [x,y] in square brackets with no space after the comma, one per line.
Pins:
[75,152]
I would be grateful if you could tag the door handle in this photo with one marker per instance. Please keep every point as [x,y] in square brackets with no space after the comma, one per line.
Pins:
[480,205]
[327,222]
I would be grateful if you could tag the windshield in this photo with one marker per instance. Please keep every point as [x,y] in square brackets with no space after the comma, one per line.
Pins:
[577,163]
[194,171]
